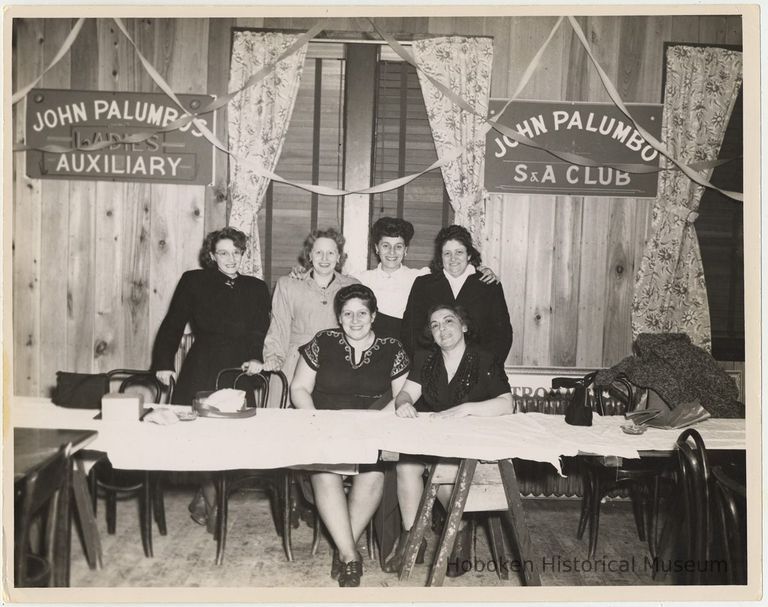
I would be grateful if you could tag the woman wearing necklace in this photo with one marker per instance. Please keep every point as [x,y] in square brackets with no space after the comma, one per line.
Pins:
[453,378]
[348,368]
[229,316]
[301,308]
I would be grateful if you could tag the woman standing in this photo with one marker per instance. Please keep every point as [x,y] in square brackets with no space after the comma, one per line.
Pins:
[229,316]
[455,281]
[453,378]
[302,307]
[391,280]
[348,368]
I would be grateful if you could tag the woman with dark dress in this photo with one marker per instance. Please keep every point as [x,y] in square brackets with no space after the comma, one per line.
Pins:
[453,378]
[348,368]
[455,281]
[229,316]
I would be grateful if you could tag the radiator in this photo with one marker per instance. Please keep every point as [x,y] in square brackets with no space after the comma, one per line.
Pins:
[539,479]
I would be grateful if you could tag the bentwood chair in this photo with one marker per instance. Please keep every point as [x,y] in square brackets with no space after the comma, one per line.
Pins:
[276,482]
[41,498]
[696,507]
[730,493]
[121,484]
[643,479]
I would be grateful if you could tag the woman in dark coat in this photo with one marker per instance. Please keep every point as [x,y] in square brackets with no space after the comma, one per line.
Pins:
[455,281]
[229,316]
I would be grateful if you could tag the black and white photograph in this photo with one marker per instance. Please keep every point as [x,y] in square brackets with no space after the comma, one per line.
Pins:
[381,303]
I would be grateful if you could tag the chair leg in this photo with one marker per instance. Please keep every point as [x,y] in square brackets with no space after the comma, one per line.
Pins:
[637,497]
[496,542]
[594,515]
[285,484]
[158,505]
[221,517]
[145,515]
[369,536]
[93,487]
[111,509]
[316,533]
[586,501]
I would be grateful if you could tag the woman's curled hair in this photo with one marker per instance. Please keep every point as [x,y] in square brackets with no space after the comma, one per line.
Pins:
[459,234]
[426,338]
[393,227]
[238,238]
[305,257]
[354,291]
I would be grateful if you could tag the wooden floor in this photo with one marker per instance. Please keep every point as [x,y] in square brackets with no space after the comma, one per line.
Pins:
[255,558]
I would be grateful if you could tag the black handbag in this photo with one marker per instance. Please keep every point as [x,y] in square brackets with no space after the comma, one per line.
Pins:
[80,390]
[579,410]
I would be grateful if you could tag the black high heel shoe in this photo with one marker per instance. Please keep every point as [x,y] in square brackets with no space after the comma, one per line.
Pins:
[336,565]
[395,563]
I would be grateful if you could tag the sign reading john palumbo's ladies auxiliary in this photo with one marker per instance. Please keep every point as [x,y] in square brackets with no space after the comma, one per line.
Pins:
[99,120]
[599,132]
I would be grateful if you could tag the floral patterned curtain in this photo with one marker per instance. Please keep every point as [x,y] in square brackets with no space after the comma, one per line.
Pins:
[463,65]
[258,121]
[670,293]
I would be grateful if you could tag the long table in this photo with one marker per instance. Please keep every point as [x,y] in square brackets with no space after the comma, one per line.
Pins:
[275,438]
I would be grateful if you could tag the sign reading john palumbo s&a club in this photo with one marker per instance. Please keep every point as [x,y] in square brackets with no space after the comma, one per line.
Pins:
[598,132]
[89,126]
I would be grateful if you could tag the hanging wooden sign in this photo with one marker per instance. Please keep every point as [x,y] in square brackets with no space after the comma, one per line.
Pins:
[74,119]
[597,131]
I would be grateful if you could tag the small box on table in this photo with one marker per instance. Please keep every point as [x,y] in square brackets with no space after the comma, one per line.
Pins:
[119,407]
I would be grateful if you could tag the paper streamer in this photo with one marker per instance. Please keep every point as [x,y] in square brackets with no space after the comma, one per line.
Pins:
[70,39]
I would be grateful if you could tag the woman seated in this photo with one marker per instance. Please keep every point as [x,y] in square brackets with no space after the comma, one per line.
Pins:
[348,368]
[453,378]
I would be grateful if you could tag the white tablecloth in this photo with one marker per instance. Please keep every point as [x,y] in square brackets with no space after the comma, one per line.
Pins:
[276,438]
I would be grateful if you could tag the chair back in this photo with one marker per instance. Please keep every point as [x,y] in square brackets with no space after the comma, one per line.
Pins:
[731,502]
[144,382]
[42,491]
[694,482]
[256,386]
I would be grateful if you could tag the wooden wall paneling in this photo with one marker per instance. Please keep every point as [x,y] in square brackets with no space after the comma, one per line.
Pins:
[617,338]
[685,28]
[538,291]
[592,281]
[219,41]
[713,29]
[733,29]
[135,243]
[442,25]
[55,215]
[565,280]
[163,253]
[514,263]
[188,74]
[500,29]
[577,73]
[81,229]
[135,255]
[27,225]
[246,22]
[415,25]
[525,37]
[658,29]
[115,74]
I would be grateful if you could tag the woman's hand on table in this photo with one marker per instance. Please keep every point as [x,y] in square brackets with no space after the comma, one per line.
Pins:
[406,410]
[252,367]
[165,376]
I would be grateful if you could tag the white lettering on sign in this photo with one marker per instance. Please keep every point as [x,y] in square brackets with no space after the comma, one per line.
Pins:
[62,115]
[112,164]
